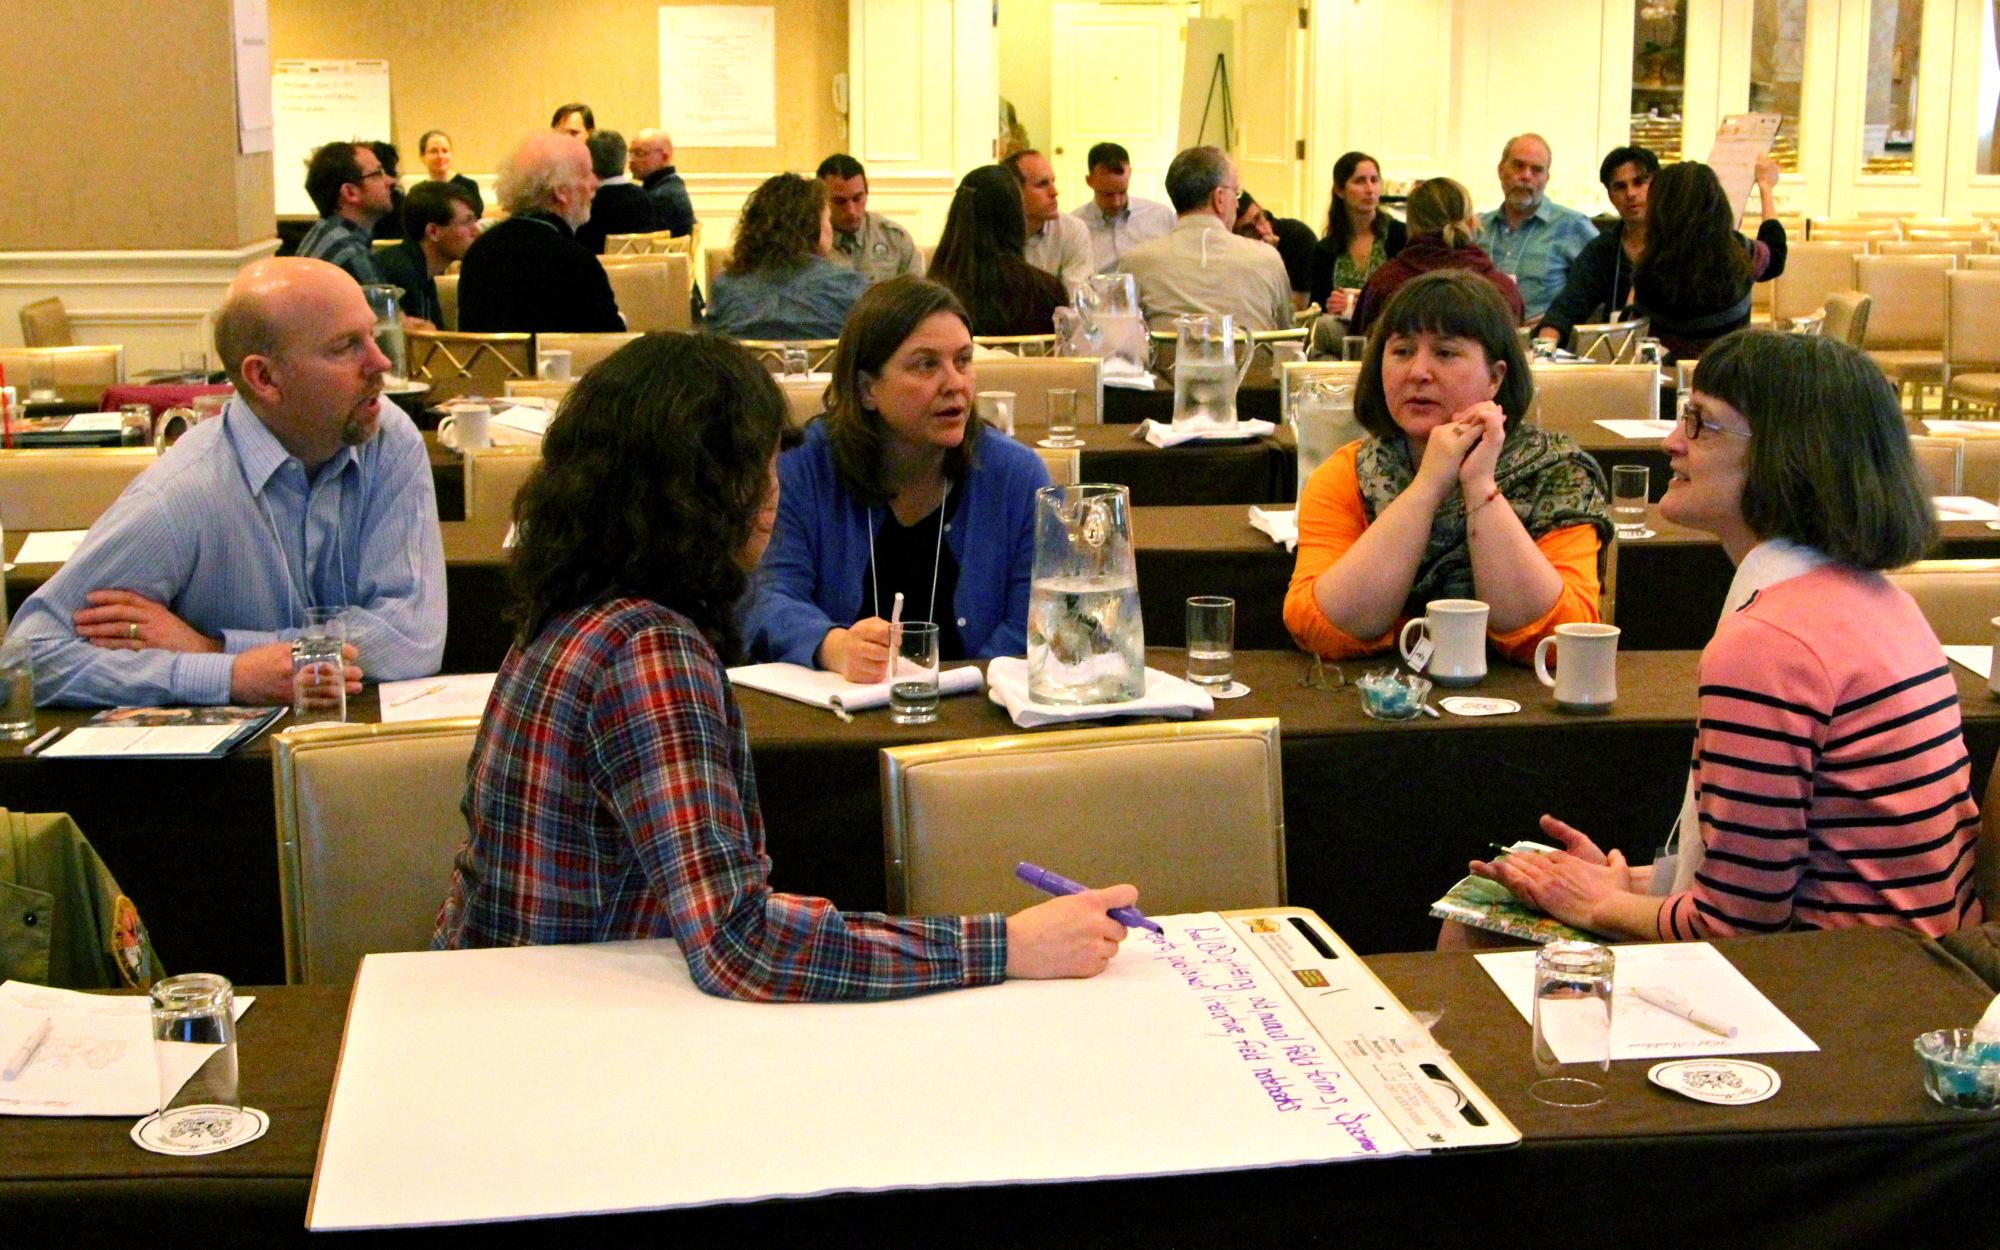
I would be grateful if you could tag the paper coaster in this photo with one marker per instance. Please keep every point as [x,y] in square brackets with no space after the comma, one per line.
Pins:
[1234,690]
[1476,705]
[1059,444]
[1725,1082]
[191,1133]
[1646,533]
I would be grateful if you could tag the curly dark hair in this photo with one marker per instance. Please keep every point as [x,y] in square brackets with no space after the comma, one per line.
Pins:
[779,228]
[1694,259]
[652,477]
[885,315]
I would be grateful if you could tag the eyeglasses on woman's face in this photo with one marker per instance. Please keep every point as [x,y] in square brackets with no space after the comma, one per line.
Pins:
[1694,421]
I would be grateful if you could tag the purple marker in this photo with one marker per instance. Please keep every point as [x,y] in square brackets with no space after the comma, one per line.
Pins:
[1055,883]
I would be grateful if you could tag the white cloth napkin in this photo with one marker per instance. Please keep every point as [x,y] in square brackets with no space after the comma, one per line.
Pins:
[1123,373]
[1163,434]
[831,690]
[1166,695]
[1282,524]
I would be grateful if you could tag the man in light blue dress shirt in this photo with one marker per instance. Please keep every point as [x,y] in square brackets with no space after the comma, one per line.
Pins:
[1530,236]
[311,490]
[1118,220]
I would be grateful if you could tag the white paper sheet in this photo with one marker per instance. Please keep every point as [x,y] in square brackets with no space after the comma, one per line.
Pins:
[1739,141]
[1938,426]
[1640,431]
[426,698]
[831,690]
[138,740]
[94,423]
[1965,508]
[1640,1030]
[97,1060]
[1978,659]
[1167,696]
[49,546]
[1165,434]
[1282,524]
[718,75]
[523,418]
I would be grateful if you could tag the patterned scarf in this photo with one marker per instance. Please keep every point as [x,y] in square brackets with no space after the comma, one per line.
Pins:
[1546,478]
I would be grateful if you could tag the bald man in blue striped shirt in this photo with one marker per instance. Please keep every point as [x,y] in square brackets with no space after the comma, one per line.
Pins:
[311,490]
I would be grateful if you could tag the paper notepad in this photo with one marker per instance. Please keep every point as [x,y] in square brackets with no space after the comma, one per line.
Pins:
[832,691]
[49,546]
[1978,659]
[98,1058]
[424,698]
[1965,508]
[1639,431]
[163,733]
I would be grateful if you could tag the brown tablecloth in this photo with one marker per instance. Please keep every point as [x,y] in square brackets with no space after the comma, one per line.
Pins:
[1849,1152]
[1128,407]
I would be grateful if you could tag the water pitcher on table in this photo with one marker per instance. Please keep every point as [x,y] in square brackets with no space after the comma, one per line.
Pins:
[1206,371]
[1106,321]
[1086,644]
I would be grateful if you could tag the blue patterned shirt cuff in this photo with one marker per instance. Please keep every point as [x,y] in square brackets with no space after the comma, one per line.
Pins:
[983,949]
[237,641]
[202,677]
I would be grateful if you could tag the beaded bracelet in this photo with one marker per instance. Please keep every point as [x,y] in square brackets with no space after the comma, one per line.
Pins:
[1481,504]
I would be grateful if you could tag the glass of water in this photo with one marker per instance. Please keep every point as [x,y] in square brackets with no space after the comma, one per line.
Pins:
[792,360]
[17,689]
[194,1046]
[194,366]
[1572,1023]
[1631,485]
[42,378]
[319,669]
[1211,639]
[1062,418]
[913,681]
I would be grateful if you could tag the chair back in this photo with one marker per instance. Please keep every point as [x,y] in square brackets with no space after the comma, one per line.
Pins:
[1032,377]
[1908,294]
[1812,272]
[1849,229]
[1846,317]
[1610,342]
[1024,345]
[81,373]
[1972,322]
[357,874]
[771,352]
[1193,812]
[1570,397]
[1979,476]
[65,488]
[1981,262]
[1065,464]
[805,398]
[653,291]
[1930,247]
[1959,598]
[538,388]
[585,350]
[44,323]
[447,289]
[455,364]
[493,476]
[1920,228]
[1941,461]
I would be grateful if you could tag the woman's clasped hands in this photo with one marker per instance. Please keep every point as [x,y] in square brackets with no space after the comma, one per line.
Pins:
[1463,453]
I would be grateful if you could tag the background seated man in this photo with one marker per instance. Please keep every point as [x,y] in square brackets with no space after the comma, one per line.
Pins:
[1057,243]
[440,221]
[1203,267]
[529,274]
[311,490]
[868,243]
[621,206]
[1293,238]
[1117,219]
[352,192]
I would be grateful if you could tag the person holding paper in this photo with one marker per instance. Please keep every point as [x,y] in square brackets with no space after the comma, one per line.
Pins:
[311,490]
[1450,496]
[611,793]
[1693,279]
[899,489]
[1830,783]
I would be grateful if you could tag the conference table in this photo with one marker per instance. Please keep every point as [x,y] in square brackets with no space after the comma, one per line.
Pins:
[1849,1152]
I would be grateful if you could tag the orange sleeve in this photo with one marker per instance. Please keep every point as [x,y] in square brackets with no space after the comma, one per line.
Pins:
[1573,551]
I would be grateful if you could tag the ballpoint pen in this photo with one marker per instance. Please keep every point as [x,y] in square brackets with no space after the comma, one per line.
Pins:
[414,695]
[27,1049]
[1674,1004]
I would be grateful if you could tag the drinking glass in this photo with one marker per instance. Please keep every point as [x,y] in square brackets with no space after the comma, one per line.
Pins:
[195,366]
[1211,639]
[1062,418]
[792,362]
[135,425]
[42,379]
[1630,487]
[319,669]
[1353,346]
[17,689]
[1572,1023]
[913,682]
[194,1047]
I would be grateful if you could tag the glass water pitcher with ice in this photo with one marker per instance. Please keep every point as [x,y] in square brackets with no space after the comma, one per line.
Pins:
[1206,370]
[1086,644]
[1106,321]
[1322,416]
[382,301]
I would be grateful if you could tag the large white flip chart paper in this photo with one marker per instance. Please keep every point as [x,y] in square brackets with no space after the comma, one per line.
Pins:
[718,76]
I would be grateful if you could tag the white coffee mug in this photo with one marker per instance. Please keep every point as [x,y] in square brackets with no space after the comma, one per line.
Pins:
[1586,677]
[996,408]
[1456,631]
[466,426]
[554,364]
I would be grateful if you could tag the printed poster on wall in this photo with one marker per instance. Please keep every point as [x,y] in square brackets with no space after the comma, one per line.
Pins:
[718,76]
[251,22]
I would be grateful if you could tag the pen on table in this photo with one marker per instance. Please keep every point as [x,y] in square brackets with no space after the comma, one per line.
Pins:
[1673,1004]
[1055,883]
[41,742]
[28,1048]
[426,692]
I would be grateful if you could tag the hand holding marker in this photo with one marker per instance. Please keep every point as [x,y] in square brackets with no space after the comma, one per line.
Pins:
[1055,883]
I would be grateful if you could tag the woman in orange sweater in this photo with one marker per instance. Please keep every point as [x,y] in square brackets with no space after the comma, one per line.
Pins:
[1450,496]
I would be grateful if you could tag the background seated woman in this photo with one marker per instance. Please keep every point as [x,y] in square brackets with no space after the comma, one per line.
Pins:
[1442,229]
[611,794]
[779,283]
[899,488]
[1450,496]
[979,258]
[1694,277]
[435,146]
[1359,237]
[1830,784]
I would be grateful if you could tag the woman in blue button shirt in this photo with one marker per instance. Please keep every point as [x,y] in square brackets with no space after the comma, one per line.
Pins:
[779,284]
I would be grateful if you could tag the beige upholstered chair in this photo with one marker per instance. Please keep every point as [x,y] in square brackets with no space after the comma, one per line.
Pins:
[82,373]
[359,874]
[1931,247]
[538,388]
[1846,317]
[1972,339]
[44,323]
[1981,262]
[1031,379]
[771,352]
[1925,228]
[1016,344]
[1610,342]
[469,364]
[1812,272]
[652,290]
[585,350]
[447,289]
[1959,598]
[1980,475]
[493,476]
[1941,461]
[1192,813]
[1065,464]
[1850,229]
[65,488]
[653,243]
[1906,321]
[804,399]
[1570,397]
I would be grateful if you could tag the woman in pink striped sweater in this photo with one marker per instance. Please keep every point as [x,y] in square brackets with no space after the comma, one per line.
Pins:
[1830,784]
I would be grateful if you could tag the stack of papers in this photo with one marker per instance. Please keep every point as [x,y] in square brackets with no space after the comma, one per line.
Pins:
[98,1057]
[163,732]
[831,690]
[1167,696]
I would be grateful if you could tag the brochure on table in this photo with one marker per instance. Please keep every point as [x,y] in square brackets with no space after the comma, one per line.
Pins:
[1250,1040]
[98,1056]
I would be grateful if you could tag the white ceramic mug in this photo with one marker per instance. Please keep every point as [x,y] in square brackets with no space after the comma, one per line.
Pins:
[466,426]
[1457,632]
[996,408]
[1586,677]
[554,364]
